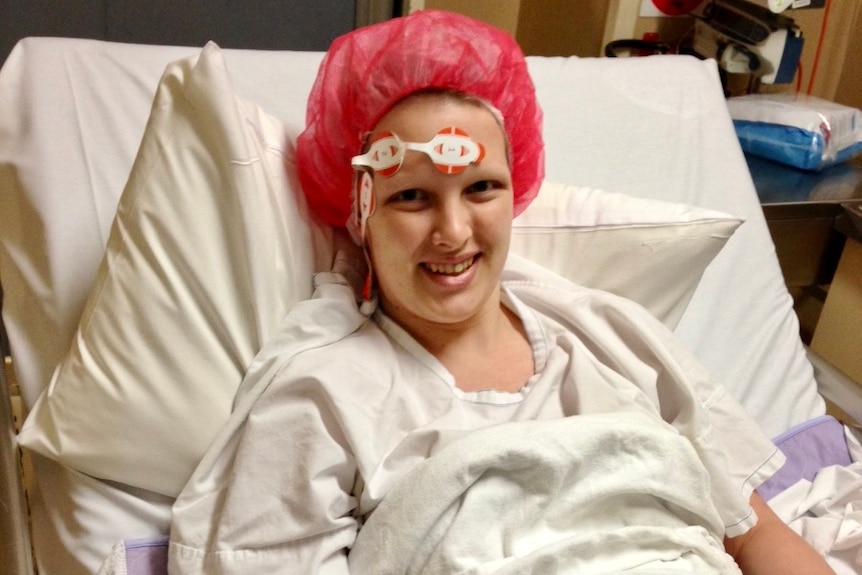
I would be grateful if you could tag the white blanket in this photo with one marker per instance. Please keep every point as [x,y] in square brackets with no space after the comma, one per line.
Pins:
[827,512]
[626,493]
[585,494]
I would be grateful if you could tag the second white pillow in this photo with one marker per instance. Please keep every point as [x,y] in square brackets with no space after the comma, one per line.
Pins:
[650,251]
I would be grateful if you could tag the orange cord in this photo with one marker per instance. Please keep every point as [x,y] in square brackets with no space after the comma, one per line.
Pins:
[799,76]
[819,46]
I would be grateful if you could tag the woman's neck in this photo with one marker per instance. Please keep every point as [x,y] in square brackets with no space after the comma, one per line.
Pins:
[490,351]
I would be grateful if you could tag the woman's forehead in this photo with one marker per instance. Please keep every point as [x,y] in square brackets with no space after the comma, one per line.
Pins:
[423,107]
[419,119]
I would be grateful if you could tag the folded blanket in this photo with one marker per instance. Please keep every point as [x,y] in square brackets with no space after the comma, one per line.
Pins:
[586,494]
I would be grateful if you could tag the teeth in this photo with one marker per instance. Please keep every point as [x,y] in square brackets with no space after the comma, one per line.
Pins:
[450,269]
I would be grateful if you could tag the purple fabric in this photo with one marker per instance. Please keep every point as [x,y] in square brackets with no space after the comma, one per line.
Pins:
[147,556]
[809,447]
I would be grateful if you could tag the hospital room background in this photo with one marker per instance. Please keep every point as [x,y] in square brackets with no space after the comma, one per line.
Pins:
[816,238]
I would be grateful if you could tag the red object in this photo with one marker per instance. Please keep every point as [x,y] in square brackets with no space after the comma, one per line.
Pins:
[676,7]
[648,37]
[368,70]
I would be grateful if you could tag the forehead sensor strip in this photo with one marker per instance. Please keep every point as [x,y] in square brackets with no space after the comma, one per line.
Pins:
[451,151]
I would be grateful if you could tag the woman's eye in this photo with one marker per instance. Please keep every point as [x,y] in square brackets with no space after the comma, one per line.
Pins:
[404,196]
[482,186]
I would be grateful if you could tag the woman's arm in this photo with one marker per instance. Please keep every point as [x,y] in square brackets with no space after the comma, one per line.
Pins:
[772,547]
[274,493]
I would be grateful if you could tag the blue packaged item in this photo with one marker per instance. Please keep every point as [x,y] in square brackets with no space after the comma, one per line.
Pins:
[797,130]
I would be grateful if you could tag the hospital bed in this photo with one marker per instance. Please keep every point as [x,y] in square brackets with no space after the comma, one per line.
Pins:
[130,337]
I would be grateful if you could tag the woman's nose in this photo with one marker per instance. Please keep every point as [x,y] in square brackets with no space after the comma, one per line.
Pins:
[452,224]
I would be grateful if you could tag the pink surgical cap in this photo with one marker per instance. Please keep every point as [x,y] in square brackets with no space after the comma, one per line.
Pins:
[367,71]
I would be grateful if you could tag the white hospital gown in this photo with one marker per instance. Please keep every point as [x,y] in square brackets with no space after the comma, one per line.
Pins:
[340,425]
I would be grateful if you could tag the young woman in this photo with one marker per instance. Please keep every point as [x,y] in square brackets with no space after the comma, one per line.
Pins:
[438,242]
[424,139]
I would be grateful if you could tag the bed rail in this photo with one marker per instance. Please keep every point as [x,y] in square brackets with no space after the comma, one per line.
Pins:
[15,555]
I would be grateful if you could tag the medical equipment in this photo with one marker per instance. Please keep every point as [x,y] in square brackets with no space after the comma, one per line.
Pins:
[451,151]
[795,129]
[748,39]
[73,116]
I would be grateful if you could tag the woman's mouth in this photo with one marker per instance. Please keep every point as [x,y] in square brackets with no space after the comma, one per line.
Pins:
[450,269]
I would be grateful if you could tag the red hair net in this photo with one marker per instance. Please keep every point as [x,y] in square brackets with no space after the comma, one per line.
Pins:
[367,71]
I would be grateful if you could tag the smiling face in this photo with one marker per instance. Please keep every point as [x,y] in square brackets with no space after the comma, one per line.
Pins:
[438,241]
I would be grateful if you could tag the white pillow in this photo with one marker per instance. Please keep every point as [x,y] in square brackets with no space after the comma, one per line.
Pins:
[650,251]
[211,245]
[207,252]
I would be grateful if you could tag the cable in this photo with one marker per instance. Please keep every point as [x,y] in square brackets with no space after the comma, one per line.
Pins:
[819,46]
[799,76]
[645,45]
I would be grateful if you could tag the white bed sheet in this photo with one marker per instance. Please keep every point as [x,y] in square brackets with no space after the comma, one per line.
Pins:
[80,108]
[678,136]
[72,113]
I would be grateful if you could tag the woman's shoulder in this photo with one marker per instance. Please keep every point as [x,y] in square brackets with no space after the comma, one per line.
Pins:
[366,345]
[342,369]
